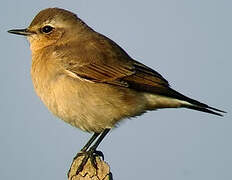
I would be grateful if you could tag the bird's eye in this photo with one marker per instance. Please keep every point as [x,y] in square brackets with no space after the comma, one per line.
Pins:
[47,29]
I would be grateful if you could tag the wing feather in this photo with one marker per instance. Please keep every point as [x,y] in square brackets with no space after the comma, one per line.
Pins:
[103,61]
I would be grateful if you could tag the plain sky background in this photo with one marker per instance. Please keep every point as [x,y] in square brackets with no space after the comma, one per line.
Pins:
[188,42]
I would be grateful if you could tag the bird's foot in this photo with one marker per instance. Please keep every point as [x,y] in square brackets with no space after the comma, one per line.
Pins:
[90,154]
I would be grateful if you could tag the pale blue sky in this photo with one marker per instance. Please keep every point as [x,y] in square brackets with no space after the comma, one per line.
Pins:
[188,42]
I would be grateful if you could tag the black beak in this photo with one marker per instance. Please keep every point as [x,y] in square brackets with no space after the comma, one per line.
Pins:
[24,32]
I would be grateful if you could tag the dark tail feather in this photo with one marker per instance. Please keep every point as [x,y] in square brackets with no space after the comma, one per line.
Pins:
[216,109]
[195,105]
[207,110]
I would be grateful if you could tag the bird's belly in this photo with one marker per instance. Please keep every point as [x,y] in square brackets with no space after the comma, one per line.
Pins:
[91,106]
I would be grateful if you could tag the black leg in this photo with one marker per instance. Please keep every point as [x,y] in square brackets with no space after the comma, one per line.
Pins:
[86,146]
[91,140]
[91,153]
[99,140]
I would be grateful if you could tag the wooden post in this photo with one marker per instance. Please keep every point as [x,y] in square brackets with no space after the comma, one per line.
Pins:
[89,172]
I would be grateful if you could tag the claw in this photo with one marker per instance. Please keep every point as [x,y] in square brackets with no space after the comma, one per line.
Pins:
[99,153]
[94,162]
[81,166]
[82,153]
[90,154]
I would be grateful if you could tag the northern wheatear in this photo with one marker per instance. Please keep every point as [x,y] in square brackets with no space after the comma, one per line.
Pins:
[89,81]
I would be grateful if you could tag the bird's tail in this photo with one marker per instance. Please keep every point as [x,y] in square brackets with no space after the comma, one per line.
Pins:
[206,109]
[194,104]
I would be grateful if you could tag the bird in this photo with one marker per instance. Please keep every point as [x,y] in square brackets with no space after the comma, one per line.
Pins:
[90,82]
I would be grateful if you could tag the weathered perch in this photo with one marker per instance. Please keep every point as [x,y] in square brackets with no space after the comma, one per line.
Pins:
[89,172]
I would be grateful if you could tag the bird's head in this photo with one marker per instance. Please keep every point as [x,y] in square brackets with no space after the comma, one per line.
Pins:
[52,26]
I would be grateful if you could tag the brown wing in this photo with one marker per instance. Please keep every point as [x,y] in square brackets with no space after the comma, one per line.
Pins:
[101,60]
[133,75]
[138,77]
[103,73]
